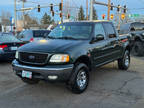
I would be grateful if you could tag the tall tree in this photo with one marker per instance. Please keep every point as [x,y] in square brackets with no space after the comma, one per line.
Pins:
[29,20]
[95,17]
[46,19]
[81,15]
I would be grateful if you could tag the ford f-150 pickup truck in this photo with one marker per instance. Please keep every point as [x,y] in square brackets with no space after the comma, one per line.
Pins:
[70,52]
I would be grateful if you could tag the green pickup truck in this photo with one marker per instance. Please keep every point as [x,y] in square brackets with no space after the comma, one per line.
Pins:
[70,52]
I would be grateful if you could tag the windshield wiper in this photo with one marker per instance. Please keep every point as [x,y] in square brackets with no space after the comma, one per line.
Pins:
[66,37]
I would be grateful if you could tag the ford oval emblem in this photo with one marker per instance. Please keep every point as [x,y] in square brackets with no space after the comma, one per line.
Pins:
[31,57]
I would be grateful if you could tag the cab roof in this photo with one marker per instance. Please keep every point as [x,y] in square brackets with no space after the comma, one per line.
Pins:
[88,21]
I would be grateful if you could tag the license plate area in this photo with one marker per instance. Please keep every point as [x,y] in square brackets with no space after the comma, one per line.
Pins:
[26,74]
[14,48]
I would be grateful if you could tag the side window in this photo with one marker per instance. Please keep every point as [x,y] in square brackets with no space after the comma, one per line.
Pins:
[110,30]
[99,30]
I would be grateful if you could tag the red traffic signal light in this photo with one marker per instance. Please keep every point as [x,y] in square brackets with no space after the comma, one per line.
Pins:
[60,14]
[38,8]
[103,16]
[112,16]
[68,16]
[14,27]
[122,16]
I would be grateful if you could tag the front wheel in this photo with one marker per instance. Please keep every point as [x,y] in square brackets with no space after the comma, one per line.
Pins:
[124,62]
[79,79]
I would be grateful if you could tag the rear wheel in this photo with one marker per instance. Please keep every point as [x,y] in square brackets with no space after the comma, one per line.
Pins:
[30,81]
[124,62]
[79,80]
[137,49]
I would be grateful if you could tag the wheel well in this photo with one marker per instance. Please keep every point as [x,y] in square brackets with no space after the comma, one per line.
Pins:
[84,59]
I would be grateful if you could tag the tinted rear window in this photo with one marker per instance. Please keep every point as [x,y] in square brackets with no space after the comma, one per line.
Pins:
[40,33]
[8,39]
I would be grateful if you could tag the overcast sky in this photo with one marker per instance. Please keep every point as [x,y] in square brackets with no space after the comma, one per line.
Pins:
[133,5]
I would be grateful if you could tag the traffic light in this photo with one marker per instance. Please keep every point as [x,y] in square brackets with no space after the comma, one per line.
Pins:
[118,8]
[122,16]
[60,14]
[125,9]
[38,8]
[103,16]
[60,6]
[51,7]
[68,16]
[53,13]
[112,6]
[112,16]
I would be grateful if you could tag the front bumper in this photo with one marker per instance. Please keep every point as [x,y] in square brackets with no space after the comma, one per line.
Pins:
[63,72]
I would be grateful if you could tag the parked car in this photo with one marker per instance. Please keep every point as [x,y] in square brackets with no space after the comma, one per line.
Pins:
[136,30]
[6,33]
[71,52]
[31,35]
[8,46]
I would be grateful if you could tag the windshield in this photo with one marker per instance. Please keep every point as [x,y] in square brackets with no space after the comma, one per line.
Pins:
[25,33]
[8,38]
[71,31]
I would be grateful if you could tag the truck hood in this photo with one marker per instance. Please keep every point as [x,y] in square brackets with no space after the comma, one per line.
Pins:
[51,46]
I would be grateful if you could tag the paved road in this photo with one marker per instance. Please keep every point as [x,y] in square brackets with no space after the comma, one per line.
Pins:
[109,88]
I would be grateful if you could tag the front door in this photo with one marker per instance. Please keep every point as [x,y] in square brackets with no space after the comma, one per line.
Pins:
[113,41]
[99,47]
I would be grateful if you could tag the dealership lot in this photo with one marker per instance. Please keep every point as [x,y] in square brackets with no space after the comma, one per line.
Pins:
[109,88]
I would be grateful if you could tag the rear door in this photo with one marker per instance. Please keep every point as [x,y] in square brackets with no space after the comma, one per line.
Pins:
[99,48]
[113,41]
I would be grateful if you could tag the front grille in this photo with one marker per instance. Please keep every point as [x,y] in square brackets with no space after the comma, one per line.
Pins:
[33,58]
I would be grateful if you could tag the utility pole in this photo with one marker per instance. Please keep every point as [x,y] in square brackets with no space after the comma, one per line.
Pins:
[15,15]
[109,6]
[87,9]
[91,10]
[23,14]
[62,11]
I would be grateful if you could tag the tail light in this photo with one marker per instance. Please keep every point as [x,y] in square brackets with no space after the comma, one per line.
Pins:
[3,46]
[21,44]
[32,39]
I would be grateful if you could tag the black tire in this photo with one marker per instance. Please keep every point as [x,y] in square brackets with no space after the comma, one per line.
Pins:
[137,49]
[30,81]
[124,62]
[74,83]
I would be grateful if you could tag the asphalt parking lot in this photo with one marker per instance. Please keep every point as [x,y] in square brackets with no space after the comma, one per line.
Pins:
[108,88]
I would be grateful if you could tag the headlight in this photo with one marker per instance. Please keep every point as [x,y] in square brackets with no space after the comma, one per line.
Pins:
[16,55]
[60,58]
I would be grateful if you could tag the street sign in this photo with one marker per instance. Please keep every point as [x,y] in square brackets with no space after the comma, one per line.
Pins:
[134,15]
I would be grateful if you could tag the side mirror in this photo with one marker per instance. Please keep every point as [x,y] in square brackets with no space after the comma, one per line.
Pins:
[99,37]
